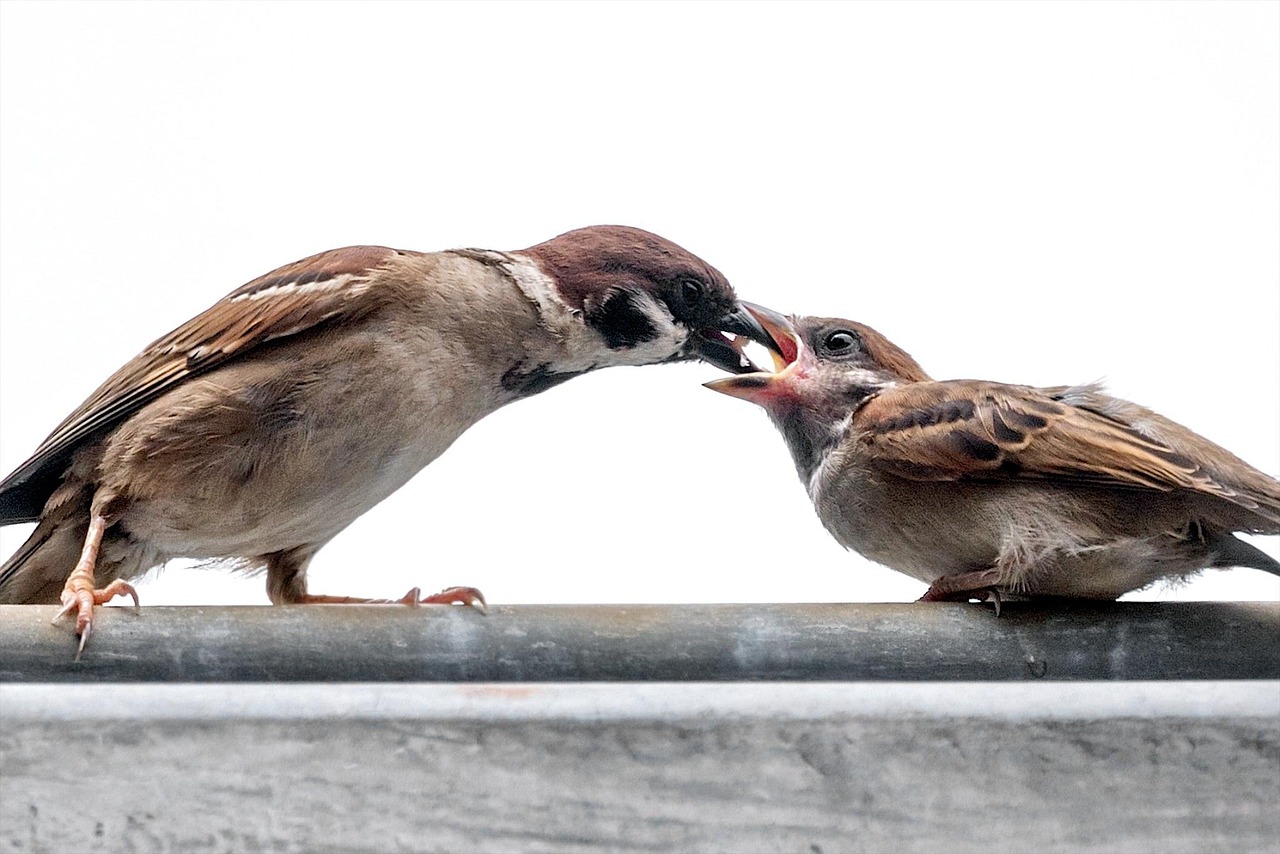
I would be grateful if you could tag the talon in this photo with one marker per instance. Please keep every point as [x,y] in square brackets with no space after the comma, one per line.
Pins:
[118,588]
[79,594]
[81,597]
[84,638]
[459,596]
[414,598]
[961,587]
[84,618]
[67,608]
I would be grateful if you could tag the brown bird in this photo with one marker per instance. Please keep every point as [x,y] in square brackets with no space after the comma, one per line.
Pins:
[262,427]
[981,488]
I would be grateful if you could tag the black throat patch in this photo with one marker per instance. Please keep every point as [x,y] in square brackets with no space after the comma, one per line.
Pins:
[526,380]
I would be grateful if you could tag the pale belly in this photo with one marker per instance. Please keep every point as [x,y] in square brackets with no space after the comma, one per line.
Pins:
[909,528]
[1044,541]
[225,517]
[267,467]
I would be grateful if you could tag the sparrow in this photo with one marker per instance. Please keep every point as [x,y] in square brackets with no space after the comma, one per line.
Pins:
[982,489]
[259,429]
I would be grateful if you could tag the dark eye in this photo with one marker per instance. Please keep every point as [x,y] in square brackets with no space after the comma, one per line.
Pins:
[690,291]
[839,342]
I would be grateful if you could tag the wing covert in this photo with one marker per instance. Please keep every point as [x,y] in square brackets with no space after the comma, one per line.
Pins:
[284,302]
[969,429]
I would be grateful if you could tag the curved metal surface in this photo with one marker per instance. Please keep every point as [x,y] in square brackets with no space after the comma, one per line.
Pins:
[644,643]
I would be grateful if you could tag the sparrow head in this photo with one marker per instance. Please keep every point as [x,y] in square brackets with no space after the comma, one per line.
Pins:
[825,368]
[649,299]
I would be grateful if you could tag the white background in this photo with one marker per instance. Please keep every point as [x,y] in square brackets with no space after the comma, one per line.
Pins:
[1038,193]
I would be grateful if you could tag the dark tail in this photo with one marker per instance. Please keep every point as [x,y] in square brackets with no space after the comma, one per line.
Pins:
[36,572]
[1230,551]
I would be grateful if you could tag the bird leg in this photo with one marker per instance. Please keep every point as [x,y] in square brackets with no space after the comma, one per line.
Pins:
[449,596]
[80,594]
[979,584]
[287,585]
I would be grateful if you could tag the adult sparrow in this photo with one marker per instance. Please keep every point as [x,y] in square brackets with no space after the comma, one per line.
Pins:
[262,427]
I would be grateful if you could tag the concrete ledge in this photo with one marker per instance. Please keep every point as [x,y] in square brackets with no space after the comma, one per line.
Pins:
[667,701]
[639,643]
[981,767]
[800,728]
[650,700]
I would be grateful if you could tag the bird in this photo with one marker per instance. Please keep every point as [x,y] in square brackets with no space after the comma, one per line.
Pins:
[262,427]
[985,489]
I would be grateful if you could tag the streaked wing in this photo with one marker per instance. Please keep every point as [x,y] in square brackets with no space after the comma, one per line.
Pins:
[969,429]
[284,302]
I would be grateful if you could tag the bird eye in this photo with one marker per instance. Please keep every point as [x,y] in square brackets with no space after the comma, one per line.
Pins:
[691,291]
[840,341]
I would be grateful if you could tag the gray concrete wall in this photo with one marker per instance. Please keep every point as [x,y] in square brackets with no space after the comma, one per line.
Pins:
[982,767]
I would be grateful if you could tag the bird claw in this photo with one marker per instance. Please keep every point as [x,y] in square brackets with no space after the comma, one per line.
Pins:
[81,596]
[67,608]
[965,586]
[414,598]
[990,593]
[449,596]
[84,639]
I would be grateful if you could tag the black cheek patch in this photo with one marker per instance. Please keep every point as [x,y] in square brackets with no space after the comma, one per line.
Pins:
[621,321]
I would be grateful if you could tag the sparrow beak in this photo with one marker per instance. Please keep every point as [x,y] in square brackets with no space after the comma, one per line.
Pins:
[784,347]
[722,345]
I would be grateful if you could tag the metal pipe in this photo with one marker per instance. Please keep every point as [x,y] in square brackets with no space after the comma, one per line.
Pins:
[645,643]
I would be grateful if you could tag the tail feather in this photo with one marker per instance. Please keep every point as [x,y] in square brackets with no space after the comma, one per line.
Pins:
[1229,551]
[36,572]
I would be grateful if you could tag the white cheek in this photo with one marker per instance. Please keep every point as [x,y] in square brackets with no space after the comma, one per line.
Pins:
[867,379]
[578,347]
[670,340]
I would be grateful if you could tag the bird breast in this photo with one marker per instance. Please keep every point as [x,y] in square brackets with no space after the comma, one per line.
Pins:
[288,448]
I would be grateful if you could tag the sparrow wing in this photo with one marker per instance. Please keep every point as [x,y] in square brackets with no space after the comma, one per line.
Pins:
[284,302]
[974,430]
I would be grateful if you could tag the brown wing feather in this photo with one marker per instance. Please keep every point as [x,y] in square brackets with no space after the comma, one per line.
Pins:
[284,302]
[974,430]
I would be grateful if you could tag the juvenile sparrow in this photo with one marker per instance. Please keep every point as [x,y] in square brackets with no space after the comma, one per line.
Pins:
[262,427]
[980,488]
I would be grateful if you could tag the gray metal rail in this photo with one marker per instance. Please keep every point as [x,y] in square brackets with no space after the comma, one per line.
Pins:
[644,643]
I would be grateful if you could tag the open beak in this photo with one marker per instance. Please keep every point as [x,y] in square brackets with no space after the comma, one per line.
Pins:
[722,345]
[784,347]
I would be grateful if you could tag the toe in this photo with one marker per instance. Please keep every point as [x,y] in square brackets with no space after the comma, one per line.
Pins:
[458,596]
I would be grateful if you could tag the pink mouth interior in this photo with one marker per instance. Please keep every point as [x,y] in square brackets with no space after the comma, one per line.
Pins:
[787,344]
